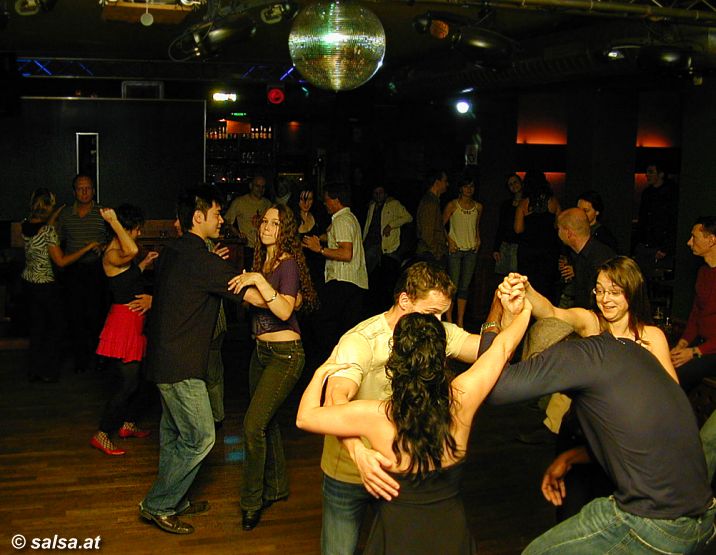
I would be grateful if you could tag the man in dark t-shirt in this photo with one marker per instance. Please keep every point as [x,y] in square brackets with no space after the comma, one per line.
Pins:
[640,427]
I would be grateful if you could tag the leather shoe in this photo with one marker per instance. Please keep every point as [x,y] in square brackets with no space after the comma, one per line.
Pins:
[268,502]
[106,450]
[249,519]
[195,508]
[170,523]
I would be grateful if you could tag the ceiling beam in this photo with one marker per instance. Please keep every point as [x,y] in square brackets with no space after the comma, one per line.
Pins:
[596,8]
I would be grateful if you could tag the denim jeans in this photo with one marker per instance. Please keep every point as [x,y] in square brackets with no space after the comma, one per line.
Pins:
[461,265]
[274,370]
[186,435]
[344,505]
[601,527]
[215,378]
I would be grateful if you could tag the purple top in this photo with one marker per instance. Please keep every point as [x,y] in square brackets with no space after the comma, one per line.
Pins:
[286,280]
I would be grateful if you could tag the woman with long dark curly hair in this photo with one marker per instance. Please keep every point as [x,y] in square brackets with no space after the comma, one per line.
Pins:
[423,428]
[279,278]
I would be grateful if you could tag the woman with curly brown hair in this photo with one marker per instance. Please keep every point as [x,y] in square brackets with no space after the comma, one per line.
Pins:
[278,278]
[423,428]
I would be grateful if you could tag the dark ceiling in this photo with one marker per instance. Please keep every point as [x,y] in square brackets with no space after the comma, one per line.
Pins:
[550,41]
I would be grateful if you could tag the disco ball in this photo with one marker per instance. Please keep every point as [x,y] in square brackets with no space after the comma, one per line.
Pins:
[337,45]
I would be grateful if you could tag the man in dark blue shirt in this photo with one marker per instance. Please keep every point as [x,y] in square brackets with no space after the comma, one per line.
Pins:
[639,426]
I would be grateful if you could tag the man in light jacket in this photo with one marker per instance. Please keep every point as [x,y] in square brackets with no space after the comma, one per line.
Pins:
[381,243]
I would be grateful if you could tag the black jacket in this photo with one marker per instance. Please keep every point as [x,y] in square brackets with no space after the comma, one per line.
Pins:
[189,283]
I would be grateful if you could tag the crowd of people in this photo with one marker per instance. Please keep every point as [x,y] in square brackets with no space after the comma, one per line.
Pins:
[631,471]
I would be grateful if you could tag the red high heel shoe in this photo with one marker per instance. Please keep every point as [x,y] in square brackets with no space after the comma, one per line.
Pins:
[128,429]
[101,441]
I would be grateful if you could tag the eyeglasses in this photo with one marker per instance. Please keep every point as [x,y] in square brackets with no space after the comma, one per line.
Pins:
[613,293]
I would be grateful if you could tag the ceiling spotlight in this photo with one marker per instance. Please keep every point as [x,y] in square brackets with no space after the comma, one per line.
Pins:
[275,13]
[483,45]
[462,106]
[147,19]
[664,57]
[466,36]
[27,7]
[211,36]
[428,23]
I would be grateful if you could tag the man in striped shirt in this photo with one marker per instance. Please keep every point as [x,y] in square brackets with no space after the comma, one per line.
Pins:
[85,281]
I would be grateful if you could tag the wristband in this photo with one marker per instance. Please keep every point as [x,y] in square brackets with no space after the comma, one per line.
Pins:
[487,326]
[272,299]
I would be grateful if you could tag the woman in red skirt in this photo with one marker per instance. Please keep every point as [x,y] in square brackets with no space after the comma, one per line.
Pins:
[122,337]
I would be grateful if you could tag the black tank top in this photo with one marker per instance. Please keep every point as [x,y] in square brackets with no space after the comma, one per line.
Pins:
[126,285]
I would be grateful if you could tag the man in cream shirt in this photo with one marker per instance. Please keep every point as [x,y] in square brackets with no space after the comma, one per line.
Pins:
[422,288]
[342,298]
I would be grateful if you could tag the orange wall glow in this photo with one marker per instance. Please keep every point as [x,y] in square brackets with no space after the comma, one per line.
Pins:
[542,120]
[534,134]
[658,123]
[654,138]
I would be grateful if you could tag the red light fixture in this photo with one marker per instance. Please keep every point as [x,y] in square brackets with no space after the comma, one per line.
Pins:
[275,95]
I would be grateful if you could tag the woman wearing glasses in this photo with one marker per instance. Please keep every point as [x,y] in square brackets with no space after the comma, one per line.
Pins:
[623,311]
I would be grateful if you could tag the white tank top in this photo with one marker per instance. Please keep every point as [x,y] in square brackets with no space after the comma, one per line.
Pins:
[463,227]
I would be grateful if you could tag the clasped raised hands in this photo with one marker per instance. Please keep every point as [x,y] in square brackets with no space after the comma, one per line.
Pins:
[512,293]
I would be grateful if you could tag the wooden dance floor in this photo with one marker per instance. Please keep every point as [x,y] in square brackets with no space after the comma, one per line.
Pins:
[52,483]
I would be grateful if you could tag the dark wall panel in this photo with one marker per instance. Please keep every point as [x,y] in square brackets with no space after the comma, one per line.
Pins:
[149,150]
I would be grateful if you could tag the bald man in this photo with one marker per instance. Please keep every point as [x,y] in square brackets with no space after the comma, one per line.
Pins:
[587,254]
